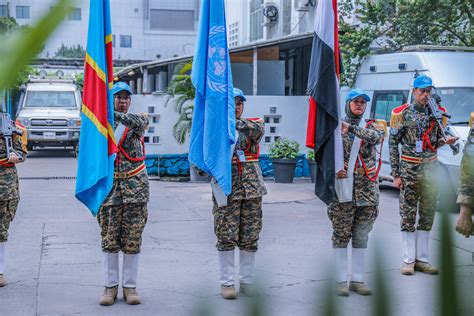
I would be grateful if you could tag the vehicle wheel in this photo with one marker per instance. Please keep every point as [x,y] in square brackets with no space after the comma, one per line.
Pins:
[447,195]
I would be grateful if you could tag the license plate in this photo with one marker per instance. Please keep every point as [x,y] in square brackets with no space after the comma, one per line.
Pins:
[49,135]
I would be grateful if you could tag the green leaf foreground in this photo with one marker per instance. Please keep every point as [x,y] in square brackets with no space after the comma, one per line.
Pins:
[21,46]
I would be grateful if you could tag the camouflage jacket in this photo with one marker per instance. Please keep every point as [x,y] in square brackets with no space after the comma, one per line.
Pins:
[9,187]
[247,179]
[404,130]
[466,186]
[128,188]
[365,192]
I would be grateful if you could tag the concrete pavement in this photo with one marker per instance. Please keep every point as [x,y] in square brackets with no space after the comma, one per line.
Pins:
[54,268]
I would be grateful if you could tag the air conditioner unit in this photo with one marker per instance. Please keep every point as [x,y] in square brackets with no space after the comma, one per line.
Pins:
[270,13]
[303,5]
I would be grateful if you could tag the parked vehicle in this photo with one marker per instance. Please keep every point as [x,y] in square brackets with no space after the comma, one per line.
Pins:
[50,109]
[388,79]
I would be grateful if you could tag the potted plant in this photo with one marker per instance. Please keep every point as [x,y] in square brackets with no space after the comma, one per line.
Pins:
[181,91]
[312,165]
[283,153]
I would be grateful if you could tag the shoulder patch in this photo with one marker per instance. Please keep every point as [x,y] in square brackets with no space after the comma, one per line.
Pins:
[400,109]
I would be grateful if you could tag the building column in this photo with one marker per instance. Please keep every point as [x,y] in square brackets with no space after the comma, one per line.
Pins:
[255,71]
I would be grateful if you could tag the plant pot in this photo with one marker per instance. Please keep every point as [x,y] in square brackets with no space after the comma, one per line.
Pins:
[312,169]
[284,170]
[196,177]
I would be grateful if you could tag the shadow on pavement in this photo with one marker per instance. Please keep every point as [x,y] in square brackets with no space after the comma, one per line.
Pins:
[51,153]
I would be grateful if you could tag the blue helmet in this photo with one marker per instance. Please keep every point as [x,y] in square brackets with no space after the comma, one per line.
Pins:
[355,93]
[239,93]
[121,86]
[422,81]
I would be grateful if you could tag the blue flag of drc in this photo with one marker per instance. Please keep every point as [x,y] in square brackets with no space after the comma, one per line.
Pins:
[213,129]
[97,147]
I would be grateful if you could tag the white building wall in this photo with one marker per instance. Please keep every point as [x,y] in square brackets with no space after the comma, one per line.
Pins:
[290,111]
[298,21]
[128,18]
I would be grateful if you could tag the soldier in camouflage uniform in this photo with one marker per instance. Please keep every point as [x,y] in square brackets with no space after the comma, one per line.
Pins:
[466,188]
[123,214]
[240,221]
[356,218]
[415,173]
[9,191]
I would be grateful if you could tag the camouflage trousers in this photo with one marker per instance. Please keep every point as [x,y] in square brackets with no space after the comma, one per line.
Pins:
[238,224]
[350,221]
[7,213]
[122,227]
[419,193]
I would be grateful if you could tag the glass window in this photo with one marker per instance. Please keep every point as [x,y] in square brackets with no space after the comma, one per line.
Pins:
[268,139]
[151,129]
[151,109]
[74,14]
[172,20]
[458,102]
[272,129]
[156,139]
[50,99]
[155,119]
[125,41]
[113,40]
[22,12]
[146,139]
[256,20]
[3,10]
[385,102]
[266,119]
[276,120]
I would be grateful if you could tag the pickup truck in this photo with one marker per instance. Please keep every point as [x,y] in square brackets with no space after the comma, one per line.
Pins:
[50,110]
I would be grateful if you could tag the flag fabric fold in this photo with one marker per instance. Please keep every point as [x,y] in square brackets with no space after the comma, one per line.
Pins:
[213,129]
[323,133]
[97,148]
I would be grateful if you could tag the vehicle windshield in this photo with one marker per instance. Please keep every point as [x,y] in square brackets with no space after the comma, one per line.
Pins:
[459,102]
[56,99]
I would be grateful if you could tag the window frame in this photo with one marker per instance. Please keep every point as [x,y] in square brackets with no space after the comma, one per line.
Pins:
[71,16]
[22,9]
[122,39]
[385,92]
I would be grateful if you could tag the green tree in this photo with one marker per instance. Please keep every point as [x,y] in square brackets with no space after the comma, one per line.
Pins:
[70,51]
[7,24]
[388,25]
[182,91]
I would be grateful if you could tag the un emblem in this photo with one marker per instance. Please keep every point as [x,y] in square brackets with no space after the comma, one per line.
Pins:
[217,60]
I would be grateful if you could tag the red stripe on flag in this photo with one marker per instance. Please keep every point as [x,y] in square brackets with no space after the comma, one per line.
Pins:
[110,66]
[95,95]
[336,39]
[311,130]
[111,145]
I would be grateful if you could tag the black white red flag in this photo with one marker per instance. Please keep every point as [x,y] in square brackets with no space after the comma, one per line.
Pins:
[324,132]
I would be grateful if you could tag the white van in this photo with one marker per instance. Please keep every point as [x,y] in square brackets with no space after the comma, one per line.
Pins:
[388,80]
